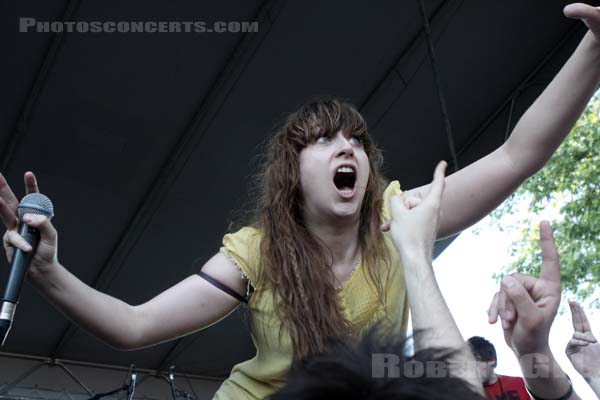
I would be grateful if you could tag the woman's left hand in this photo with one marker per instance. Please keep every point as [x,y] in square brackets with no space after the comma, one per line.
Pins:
[415,221]
[588,14]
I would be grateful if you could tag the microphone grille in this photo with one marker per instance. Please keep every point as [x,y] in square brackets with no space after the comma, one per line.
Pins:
[36,203]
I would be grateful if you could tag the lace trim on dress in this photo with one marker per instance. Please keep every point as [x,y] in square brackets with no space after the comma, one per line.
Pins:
[250,286]
[341,285]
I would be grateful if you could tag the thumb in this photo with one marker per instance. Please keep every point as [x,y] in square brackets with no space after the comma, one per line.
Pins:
[519,296]
[43,224]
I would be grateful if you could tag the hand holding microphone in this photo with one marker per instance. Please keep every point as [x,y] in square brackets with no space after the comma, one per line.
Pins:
[29,241]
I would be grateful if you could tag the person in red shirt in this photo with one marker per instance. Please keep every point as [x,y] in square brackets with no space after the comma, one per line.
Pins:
[497,387]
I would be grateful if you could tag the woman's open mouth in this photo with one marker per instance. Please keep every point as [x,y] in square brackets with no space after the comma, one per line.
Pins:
[344,180]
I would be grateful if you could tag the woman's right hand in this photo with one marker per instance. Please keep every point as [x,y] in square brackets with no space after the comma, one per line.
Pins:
[46,253]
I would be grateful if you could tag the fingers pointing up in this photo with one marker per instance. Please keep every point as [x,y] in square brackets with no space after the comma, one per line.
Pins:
[31,185]
[580,321]
[437,186]
[550,269]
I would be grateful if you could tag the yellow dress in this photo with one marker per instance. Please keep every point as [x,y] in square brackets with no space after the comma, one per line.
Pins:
[265,373]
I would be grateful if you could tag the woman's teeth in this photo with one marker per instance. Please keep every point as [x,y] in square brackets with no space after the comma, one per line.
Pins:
[345,170]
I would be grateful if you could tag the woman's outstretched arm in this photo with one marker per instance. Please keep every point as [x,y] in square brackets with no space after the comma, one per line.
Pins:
[477,189]
[190,305]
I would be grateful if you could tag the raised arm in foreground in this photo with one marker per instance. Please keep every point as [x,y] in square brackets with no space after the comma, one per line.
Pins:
[527,322]
[583,349]
[414,227]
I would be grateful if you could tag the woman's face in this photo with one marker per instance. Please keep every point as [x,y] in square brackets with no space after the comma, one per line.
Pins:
[334,171]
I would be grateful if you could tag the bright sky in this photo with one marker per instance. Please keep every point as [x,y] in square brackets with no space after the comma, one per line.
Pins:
[464,273]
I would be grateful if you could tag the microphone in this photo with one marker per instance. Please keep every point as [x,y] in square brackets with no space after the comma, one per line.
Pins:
[33,203]
[132,381]
[171,383]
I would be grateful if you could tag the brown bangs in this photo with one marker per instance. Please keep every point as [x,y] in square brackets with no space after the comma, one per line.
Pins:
[326,116]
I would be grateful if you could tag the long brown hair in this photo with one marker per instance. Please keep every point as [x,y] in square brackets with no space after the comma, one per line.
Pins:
[296,265]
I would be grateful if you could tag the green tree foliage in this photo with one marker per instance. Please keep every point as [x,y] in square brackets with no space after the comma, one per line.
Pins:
[570,185]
